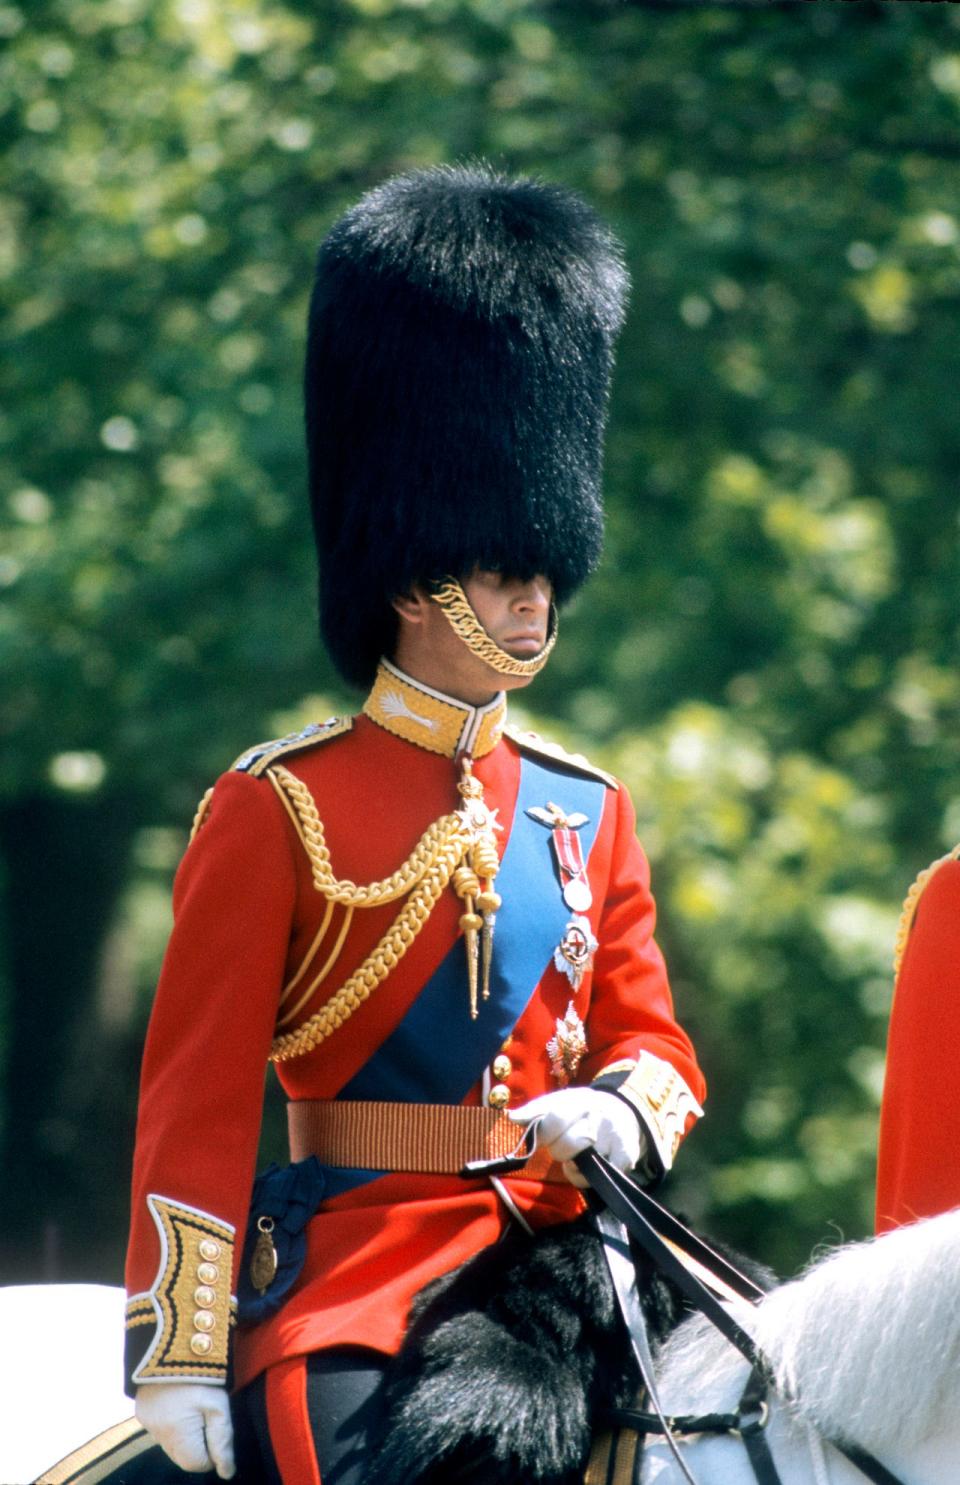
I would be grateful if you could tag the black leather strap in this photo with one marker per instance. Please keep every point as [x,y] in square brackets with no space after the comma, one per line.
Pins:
[752,1413]
[635,1209]
[645,1220]
[616,1250]
[868,1466]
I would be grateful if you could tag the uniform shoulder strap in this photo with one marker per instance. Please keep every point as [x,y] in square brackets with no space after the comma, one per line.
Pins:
[912,902]
[531,742]
[258,758]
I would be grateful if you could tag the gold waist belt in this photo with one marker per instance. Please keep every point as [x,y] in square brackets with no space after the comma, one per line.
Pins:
[424,1138]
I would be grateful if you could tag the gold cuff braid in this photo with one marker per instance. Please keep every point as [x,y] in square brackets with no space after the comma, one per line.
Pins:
[451,598]
[661,1098]
[190,1302]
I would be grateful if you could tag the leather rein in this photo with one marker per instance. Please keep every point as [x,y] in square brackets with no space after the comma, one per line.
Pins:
[625,1211]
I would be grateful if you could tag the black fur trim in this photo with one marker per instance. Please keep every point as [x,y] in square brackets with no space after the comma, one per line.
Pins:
[507,1361]
[459,354]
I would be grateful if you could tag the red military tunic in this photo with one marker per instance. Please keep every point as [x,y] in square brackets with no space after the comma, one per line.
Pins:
[918,1172]
[256,953]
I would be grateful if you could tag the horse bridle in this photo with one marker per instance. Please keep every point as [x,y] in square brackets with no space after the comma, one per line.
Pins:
[628,1210]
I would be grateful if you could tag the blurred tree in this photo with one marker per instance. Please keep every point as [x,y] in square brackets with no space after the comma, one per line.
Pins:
[768,654]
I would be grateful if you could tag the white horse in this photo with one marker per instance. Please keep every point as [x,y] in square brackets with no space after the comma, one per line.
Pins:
[864,1348]
[61,1372]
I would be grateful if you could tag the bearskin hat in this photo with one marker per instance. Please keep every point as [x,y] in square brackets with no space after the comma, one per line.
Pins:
[458,361]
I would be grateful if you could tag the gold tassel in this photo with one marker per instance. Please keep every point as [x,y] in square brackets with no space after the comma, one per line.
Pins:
[471,923]
[488,902]
[481,862]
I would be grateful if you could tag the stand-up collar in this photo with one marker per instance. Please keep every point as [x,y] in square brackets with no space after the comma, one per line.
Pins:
[432,720]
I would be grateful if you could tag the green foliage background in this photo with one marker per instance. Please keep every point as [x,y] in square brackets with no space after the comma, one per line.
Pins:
[768,656]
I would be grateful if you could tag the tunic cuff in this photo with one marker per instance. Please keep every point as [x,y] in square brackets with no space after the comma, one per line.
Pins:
[661,1101]
[179,1330]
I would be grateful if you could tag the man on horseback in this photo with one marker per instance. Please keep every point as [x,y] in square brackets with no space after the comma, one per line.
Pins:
[438,928]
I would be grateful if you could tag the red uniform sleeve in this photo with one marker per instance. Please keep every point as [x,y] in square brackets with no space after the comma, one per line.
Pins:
[637,1046]
[918,1171]
[202,1083]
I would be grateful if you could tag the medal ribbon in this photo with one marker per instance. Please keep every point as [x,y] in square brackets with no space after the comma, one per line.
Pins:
[574,885]
[569,852]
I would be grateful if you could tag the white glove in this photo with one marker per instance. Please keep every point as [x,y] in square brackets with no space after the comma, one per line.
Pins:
[574,1119]
[191,1423]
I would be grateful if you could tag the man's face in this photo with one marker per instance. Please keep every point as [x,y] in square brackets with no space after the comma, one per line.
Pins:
[515,612]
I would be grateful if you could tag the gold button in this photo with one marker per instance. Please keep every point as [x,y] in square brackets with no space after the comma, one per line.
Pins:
[502,1066]
[201,1345]
[207,1273]
[203,1320]
[205,1297]
[499,1096]
[209,1249]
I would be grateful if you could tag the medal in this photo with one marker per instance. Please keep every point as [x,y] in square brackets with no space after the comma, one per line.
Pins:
[577,894]
[573,955]
[567,1047]
[263,1264]
[568,853]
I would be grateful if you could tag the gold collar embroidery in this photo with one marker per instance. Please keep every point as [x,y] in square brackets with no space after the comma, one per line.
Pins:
[431,720]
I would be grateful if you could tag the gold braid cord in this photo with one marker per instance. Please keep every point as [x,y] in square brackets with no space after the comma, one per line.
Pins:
[201,813]
[343,891]
[461,838]
[911,901]
[451,598]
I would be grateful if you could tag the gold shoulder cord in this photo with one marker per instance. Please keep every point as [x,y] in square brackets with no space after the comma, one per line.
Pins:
[201,813]
[460,846]
[911,902]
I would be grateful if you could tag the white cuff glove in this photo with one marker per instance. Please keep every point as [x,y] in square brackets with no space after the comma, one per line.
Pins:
[574,1119]
[191,1423]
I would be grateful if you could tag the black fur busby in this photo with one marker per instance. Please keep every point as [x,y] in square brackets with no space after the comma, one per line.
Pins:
[458,361]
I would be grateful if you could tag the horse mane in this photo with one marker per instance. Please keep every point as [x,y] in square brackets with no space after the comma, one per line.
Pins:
[868,1340]
[865,1345]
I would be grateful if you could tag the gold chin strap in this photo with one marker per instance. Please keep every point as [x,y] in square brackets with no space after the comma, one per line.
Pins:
[456,606]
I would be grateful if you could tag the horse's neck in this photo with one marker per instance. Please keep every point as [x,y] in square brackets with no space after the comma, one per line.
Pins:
[868,1343]
[931,1461]
[699,1372]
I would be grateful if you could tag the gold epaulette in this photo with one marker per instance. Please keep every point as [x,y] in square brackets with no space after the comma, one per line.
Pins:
[256,759]
[531,742]
[911,902]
